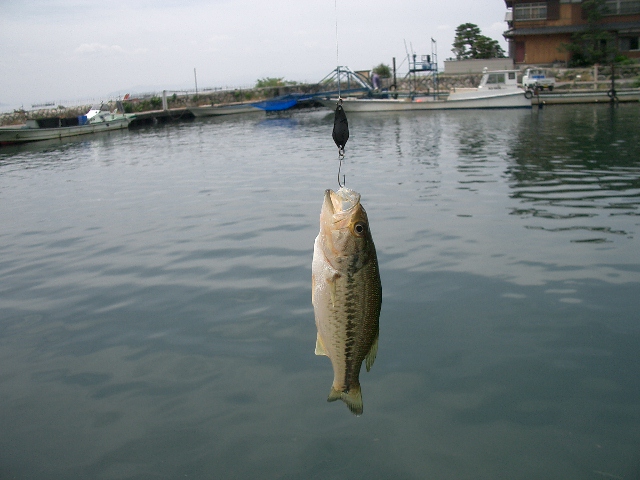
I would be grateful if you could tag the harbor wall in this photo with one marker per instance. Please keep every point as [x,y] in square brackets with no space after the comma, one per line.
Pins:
[165,100]
[593,78]
[456,67]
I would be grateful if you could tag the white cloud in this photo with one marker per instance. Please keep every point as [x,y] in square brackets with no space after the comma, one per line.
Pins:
[100,48]
[219,38]
[280,38]
[498,27]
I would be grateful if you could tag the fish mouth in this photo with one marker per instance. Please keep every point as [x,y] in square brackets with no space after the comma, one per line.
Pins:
[342,201]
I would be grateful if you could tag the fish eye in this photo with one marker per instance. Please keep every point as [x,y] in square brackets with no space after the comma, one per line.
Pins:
[359,228]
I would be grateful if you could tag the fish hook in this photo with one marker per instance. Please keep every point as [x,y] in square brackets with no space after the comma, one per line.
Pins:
[341,157]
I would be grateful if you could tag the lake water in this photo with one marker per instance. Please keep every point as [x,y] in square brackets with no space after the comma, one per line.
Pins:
[155,299]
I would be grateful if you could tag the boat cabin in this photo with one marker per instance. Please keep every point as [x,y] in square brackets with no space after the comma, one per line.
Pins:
[499,79]
[100,108]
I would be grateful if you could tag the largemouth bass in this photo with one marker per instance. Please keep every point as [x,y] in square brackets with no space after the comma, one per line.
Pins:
[347,293]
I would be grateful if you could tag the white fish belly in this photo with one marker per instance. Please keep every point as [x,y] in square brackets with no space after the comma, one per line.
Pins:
[347,307]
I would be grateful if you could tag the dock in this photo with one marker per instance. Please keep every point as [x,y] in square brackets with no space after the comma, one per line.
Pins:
[585,96]
[161,116]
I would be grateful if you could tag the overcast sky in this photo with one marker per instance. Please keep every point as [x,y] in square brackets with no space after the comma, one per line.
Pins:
[65,50]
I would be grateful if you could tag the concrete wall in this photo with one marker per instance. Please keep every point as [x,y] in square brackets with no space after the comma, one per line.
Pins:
[452,67]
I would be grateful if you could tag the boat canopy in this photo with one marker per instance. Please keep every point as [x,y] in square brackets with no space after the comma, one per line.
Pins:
[101,107]
[499,79]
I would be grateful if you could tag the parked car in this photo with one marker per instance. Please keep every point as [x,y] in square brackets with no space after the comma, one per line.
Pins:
[535,78]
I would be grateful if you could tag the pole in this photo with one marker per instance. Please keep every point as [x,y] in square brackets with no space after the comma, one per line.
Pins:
[395,86]
[196,79]
[612,92]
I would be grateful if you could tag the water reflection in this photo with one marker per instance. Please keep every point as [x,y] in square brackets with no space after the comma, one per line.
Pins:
[155,316]
[580,167]
[279,121]
[62,153]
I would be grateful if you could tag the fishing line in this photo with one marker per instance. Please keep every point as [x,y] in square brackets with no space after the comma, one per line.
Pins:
[335,5]
[340,125]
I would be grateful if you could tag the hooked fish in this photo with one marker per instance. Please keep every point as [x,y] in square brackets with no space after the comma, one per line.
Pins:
[346,293]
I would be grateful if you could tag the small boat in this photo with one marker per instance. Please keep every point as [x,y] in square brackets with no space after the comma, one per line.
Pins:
[98,119]
[223,109]
[498,89]
[272,105]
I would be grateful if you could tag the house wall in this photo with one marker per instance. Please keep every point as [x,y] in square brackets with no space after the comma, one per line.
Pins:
[631,54]
[619,18]
[566,14]
[545,48]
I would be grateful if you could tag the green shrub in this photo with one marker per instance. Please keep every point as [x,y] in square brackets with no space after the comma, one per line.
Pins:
[273,82]
[383,70]
[623,60]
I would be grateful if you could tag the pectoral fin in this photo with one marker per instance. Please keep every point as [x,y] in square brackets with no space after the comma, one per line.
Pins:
[371,356]
[320,350]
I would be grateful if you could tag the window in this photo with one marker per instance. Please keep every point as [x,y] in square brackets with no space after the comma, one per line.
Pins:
[629,43]
[622,7]
[531,11]
[495,78]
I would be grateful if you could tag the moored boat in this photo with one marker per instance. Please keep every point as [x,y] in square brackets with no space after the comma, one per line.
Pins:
[98,119]
[498,89]
[225,109]
[272,105]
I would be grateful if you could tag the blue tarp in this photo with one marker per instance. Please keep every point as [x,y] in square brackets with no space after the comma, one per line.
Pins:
[277,104]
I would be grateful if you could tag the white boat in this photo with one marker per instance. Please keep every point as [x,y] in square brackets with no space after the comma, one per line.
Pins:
[226,109]
[98,119]
[498,89]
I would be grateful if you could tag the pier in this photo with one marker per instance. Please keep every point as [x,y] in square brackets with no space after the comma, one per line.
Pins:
[161,116]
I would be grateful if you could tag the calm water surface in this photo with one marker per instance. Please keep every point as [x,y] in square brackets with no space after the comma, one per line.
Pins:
[155,299]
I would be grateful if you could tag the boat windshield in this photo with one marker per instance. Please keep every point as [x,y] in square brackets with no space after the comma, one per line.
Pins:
[494,78]
[100,107]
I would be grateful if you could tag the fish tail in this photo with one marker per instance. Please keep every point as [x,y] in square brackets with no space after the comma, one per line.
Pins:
[352,397]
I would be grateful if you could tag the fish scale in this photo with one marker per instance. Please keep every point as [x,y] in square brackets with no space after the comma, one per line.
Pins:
[347,293]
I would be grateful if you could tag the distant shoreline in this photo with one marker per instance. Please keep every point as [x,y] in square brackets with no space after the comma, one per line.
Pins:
[567,79]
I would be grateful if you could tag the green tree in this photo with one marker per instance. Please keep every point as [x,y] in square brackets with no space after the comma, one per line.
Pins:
[383,70]
[470,43]
[270,82]
[273,82]
[593,45]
